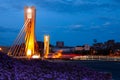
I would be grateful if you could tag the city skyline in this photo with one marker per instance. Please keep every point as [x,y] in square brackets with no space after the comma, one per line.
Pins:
[76,22]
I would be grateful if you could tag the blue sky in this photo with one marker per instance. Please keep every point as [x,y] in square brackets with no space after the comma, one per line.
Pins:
[76,22]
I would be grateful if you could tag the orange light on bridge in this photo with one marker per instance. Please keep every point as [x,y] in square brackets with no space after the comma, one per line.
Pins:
[36,56]
[29,10]
[46,45]
[29,13]
[29,52]
[58,54]
[0,49]
[25,44]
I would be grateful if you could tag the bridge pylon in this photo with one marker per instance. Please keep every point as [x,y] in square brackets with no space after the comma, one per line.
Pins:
[25,44]
[46,45]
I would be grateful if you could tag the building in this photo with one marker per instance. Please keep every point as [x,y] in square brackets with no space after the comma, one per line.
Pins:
[59,44]
[86,47]
[110,43]
[79,48]
[99,46]
[63,49]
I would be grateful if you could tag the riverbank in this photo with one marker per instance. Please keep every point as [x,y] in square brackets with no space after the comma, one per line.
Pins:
[35,69]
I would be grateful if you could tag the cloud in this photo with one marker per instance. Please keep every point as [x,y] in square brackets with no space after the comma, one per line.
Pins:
[65,6]
[106,24]
[112,32]
[6,29]
[73,6]
[117,1]
[4,7]
[8,5]
[95,27]
[85,28]
[76,28]
[61,28]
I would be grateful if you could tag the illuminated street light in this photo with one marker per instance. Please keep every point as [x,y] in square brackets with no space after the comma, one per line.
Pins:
[29,52]
[0,49]
[29,13]
[46,38]
[29,10]
[36,56]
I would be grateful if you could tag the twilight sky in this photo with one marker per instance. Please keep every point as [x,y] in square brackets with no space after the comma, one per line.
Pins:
[76,22]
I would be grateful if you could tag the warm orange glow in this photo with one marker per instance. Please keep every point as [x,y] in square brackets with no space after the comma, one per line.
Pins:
[29,52]
[46,38]
[30,46]
[30,42]
[36,56]
[46,46]
[46,56]
[58,54]
[25,44]
[0,49]
[29,13]
[29,10]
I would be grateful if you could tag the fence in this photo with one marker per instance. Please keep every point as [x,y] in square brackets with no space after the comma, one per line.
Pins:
[105,58]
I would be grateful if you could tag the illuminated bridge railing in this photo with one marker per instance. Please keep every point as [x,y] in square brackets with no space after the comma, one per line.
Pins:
[104,58]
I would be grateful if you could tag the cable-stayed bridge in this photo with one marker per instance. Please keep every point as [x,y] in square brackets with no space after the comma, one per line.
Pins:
[25,45]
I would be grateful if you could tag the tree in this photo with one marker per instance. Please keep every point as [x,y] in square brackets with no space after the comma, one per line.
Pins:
[95,40]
